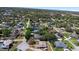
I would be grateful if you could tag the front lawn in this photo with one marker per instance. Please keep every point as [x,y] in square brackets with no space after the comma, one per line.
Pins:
[74,40]
[69,45]
[58,49]
[66,34]
[55,48]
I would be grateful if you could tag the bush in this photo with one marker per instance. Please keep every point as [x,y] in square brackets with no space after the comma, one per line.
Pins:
[50,37]
[6,32]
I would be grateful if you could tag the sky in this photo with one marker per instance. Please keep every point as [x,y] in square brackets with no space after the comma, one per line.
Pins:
[69,5]
[59,8]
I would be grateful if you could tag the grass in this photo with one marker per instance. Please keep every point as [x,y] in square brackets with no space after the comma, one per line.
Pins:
[69,45]
[74,40]
[66,34]
[58,49]
[54,48]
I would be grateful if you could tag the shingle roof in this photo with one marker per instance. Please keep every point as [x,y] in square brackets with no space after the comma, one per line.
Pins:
[7,42]
[60,44]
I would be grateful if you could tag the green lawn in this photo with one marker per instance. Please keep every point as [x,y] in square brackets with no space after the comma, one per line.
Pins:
[54,48]
[58,49]
[74,40]
[66,34]
[69,45]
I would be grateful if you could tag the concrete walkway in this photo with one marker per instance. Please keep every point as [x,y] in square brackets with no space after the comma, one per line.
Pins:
[49,46]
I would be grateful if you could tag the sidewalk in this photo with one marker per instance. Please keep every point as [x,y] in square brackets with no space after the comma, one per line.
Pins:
[49,46]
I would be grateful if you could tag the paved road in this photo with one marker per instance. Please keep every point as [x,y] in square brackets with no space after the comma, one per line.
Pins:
[28,23]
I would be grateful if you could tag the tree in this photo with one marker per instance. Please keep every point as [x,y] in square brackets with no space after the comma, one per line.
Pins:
[43,31]
[50,37]
[6,32]
[28,34]
[77,31]
[69,29]
[0,31]
[32,42]
[14,23]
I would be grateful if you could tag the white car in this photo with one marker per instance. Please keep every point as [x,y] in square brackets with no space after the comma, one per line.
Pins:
[66,49]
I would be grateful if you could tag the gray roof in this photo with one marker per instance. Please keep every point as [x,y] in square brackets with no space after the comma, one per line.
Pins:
[60,44]
[7,42]
[37,36]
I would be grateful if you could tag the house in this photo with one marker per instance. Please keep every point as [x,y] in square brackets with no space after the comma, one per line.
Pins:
[23,46]
[35,31]
[15,33]
[59,35]
[62,28]
[37,36]
[60,44]
[5,43]
[41,44]
[6,24]
[74,35]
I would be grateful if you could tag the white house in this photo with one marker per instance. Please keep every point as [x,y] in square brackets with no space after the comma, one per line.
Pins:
[5,43]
